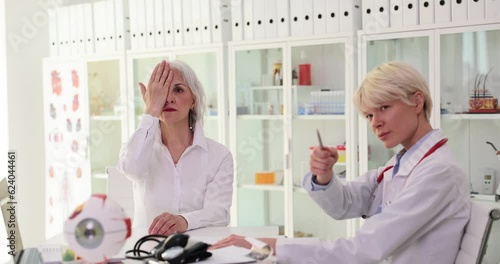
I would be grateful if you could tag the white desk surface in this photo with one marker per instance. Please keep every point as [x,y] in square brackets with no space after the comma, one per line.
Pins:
[208,235]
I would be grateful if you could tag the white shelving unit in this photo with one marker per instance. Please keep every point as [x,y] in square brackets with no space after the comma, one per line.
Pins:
[268,132]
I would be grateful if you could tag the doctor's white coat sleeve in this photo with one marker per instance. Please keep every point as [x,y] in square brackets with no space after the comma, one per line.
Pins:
[136,152]
[429,191]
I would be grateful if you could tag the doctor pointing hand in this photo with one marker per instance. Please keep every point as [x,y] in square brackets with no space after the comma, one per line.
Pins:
[416,205]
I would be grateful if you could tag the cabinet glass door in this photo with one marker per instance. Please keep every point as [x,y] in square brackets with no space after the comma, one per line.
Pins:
[470,116]
[106,118]
[318,103]
[259,136]
[142,70]
[207,69]
[412,50]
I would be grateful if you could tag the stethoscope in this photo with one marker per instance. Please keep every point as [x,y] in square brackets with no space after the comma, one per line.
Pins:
[381,175]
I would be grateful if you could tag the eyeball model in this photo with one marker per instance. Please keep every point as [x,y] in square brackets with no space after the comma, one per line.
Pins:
[97,229]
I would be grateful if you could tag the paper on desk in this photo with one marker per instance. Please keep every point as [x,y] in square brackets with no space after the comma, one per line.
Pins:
[231,254]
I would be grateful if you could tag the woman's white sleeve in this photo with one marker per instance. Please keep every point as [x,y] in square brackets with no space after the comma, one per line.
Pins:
[136,152]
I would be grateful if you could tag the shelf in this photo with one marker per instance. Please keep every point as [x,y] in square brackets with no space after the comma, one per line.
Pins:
[340,164]
[471,116]
[260,117]
[319,117]
[100,175]
[256,88]
[106,118]
[264,187]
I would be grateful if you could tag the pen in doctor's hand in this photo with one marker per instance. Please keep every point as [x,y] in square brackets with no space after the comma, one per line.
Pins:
[319,140]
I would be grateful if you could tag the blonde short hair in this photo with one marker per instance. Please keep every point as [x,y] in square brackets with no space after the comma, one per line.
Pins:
[392,81]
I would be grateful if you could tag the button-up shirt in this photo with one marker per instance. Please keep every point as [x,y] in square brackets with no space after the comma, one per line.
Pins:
[198,187]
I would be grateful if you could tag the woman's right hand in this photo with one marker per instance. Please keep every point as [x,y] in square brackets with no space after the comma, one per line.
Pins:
[155,95]
[321,163]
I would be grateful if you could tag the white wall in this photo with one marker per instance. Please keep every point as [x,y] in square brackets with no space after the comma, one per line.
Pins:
[27,44]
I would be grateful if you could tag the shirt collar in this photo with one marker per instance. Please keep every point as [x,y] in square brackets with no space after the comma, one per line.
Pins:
[408,159]
[199,138]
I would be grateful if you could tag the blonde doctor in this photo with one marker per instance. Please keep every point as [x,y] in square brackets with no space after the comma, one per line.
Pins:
[416,206]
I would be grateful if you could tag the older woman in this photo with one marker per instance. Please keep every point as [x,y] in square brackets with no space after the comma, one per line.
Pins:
[182,180]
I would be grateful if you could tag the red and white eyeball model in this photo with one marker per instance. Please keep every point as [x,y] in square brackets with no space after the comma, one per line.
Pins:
[97,229]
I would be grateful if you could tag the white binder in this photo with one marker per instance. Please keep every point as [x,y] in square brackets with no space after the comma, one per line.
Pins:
[319,17]
[237,19]
[426,12]
[221,20]
[100,26]
[89,28]
[381,12]
[296,17]
[150,23]
[271,19]
[168,20]
[134,21]
[141,25]
[350,19]
[476,10]
[443,11]
[73,30]
[80,28]
[283,16]
[396,14]
[259,25]
[332,16]
[177,14]
[411,12]
[110,35]
[458,11]
[187,22]
[206,22]
[493,10]
[308,17]
[196,24]
[53,42]
[159,30]
[368,16]
[122,18]
[248,32]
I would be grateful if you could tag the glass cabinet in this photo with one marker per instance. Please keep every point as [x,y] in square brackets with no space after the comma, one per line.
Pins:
[207,63]
[413,48]
[281,93]
[469,81]
[107,116]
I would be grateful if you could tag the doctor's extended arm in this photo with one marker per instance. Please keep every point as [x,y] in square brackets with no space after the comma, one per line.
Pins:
[216,200]
[421,207]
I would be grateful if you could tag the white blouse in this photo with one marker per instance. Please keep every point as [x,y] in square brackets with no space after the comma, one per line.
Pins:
[199,187]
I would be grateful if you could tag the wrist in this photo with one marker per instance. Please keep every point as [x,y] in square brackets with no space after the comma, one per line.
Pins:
[152,112]
[322,179]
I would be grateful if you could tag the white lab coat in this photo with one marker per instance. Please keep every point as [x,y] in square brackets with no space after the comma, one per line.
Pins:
[422,220]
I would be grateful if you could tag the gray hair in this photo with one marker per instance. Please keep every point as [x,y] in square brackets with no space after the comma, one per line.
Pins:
[392,81]
[194,84]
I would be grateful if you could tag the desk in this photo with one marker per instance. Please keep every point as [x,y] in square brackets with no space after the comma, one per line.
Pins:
[208,235]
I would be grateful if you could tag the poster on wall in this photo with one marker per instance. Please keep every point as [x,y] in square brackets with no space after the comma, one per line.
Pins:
[67,176]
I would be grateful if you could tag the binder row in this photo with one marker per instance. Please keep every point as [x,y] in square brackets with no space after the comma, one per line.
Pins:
[261,19]
[116,25]
[168,23]
[98,27]
[109,26]
[379,14]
